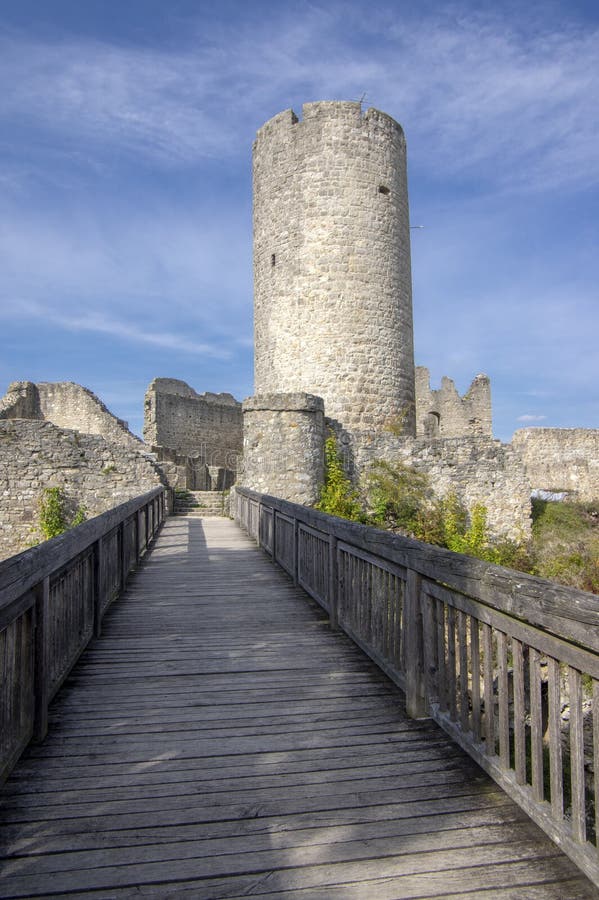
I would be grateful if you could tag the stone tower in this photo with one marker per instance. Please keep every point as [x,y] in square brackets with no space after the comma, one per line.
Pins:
[332,291]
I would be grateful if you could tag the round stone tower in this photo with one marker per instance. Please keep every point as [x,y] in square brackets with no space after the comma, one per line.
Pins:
[332,279]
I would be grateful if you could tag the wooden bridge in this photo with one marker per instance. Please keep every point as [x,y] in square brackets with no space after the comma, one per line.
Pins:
[220,739]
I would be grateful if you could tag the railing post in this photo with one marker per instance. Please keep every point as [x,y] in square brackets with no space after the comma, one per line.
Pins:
[416,700]
[295,551]
[137,537]
[98,570]
[333,583]
[274,535]
[41,674]
[123,552]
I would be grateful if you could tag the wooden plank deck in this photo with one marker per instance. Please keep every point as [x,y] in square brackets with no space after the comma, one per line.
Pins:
[219,740]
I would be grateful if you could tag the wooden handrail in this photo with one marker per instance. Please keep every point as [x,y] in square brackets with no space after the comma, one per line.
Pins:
[53,598]
[493,655]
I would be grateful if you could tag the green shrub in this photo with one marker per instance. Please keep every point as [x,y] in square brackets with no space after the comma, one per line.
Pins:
[338,497]
[80,517]
[54,517]
[400,499]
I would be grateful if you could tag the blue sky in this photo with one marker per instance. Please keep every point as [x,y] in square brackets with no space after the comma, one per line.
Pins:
[125,186]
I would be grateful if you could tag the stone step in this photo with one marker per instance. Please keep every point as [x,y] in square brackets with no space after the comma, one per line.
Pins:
[200,513]
[199,503]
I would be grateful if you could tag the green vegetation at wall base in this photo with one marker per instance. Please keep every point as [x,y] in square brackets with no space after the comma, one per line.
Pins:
[565,536]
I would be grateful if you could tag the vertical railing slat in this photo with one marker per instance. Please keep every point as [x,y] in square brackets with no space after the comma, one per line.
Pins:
[536,725]
[555,743]
[519,712]
[475,655]
[504,699]
[451,662]
[463,658]
[488,689]
[577,755]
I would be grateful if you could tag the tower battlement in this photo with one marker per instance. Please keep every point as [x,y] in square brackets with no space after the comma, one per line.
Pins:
[327,112]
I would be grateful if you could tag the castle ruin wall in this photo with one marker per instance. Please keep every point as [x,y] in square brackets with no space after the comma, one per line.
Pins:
[94,473]
[206,427]
[478,470]
[443,413]
[67,405]
[561,460]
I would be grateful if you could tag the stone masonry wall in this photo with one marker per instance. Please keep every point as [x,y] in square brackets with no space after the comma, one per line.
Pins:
[443,413]
[67,405]
[332,278]
[207,427]
[93,473]
[284,446]
[21,401]
[561,459]
[477,470]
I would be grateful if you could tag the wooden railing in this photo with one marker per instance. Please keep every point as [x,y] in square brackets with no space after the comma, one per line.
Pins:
[52,601]
[506,663]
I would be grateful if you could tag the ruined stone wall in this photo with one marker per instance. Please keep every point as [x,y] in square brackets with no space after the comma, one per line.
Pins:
[477,470]
[332,279]
[561,459]
[93,473]
[21,401]
[67,405]
[207,427]
[284,446]
[443,413]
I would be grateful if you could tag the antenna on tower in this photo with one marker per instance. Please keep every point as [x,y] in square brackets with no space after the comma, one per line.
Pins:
[361,100]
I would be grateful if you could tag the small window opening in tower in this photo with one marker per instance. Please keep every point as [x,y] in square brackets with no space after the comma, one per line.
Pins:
[383,189]
[273,259]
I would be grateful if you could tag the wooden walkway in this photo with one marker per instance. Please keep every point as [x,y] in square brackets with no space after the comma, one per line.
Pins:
[220,740]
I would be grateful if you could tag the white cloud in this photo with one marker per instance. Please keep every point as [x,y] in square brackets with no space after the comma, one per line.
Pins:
[527,417]
[471,90]
[118,328]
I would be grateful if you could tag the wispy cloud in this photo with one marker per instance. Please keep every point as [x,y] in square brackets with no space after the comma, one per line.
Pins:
[156,263]
[528,417]
[472,89]
[118,328]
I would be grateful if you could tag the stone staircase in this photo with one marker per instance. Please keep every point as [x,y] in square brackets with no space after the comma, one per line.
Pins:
[199,503]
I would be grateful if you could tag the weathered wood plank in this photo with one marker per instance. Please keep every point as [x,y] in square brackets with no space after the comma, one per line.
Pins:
[219,739]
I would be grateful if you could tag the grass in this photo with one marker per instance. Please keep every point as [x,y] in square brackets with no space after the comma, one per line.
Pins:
[565,543]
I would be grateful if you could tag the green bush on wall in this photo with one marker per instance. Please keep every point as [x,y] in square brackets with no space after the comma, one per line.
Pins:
[54,518]
[338,497]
